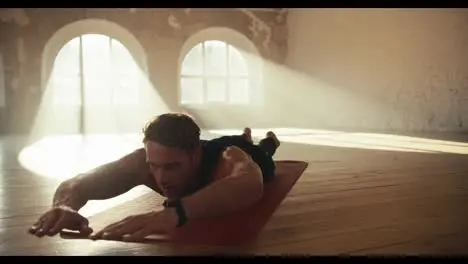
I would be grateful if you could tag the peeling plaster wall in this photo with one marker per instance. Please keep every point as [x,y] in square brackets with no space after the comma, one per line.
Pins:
[162,32]
[381,69]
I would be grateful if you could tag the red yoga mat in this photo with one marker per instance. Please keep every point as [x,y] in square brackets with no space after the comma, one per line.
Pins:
[234,229]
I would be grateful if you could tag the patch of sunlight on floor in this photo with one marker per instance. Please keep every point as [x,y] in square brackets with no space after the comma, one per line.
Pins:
[386,142]
[62,157]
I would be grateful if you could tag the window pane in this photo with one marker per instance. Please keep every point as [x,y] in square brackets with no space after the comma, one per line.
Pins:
[97,91]
[237,63]
[239,91]
[193,61]
[65,77]
[216,58]
[125,75]
[96,55]
[67,61]
[191,90]
[122,60]
[125,90]
[216,90]
[66,90]
[96,69]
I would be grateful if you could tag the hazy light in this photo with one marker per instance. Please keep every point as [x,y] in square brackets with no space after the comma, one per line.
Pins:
[282,96]
[118,96]
[357,140]
[296,99]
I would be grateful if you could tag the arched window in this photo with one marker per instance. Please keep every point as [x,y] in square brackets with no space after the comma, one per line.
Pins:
[99,64]
[214,72]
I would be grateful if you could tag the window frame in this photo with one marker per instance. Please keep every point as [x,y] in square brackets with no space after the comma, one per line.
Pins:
[206,77]
[60,102]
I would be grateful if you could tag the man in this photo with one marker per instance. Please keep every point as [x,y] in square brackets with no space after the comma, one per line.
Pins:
[200,178]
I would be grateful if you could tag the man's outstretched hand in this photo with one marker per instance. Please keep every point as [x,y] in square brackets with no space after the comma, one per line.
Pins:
[137,227]
[59,218]
[132,228]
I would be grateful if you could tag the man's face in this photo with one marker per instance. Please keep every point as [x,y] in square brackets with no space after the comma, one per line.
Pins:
[173,169]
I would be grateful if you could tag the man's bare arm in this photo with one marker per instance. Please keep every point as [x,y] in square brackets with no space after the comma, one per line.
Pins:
[104,182]
[242,187]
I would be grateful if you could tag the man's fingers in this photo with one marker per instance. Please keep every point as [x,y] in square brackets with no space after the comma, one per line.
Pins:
[33,229]
[58,225]
[81,224]
[47,221]
[57,219]
[123,230]
[48,224]
[35,226]
[38,224]
[138,235]
[85,229]
[114,234]
[118,230]
[106,229]
[99,234]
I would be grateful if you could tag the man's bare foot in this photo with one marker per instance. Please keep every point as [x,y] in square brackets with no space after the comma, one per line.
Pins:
[248,134]
[272,135]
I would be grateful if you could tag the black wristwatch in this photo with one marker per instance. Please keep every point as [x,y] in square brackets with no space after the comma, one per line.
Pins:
[180,210]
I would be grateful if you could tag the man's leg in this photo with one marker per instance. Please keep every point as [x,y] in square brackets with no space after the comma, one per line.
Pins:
[268,147]
[247,135]
[262,153]
[243,141]
[269,144]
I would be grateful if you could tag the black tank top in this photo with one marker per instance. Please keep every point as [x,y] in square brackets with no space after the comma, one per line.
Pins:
[213,149]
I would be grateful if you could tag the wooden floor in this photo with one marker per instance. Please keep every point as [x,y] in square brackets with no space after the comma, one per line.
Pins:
[350,201]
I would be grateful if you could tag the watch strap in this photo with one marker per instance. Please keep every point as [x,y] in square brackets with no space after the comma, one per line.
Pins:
[180,210]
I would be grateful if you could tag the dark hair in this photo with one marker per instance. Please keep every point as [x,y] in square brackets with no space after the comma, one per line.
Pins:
[174,130]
